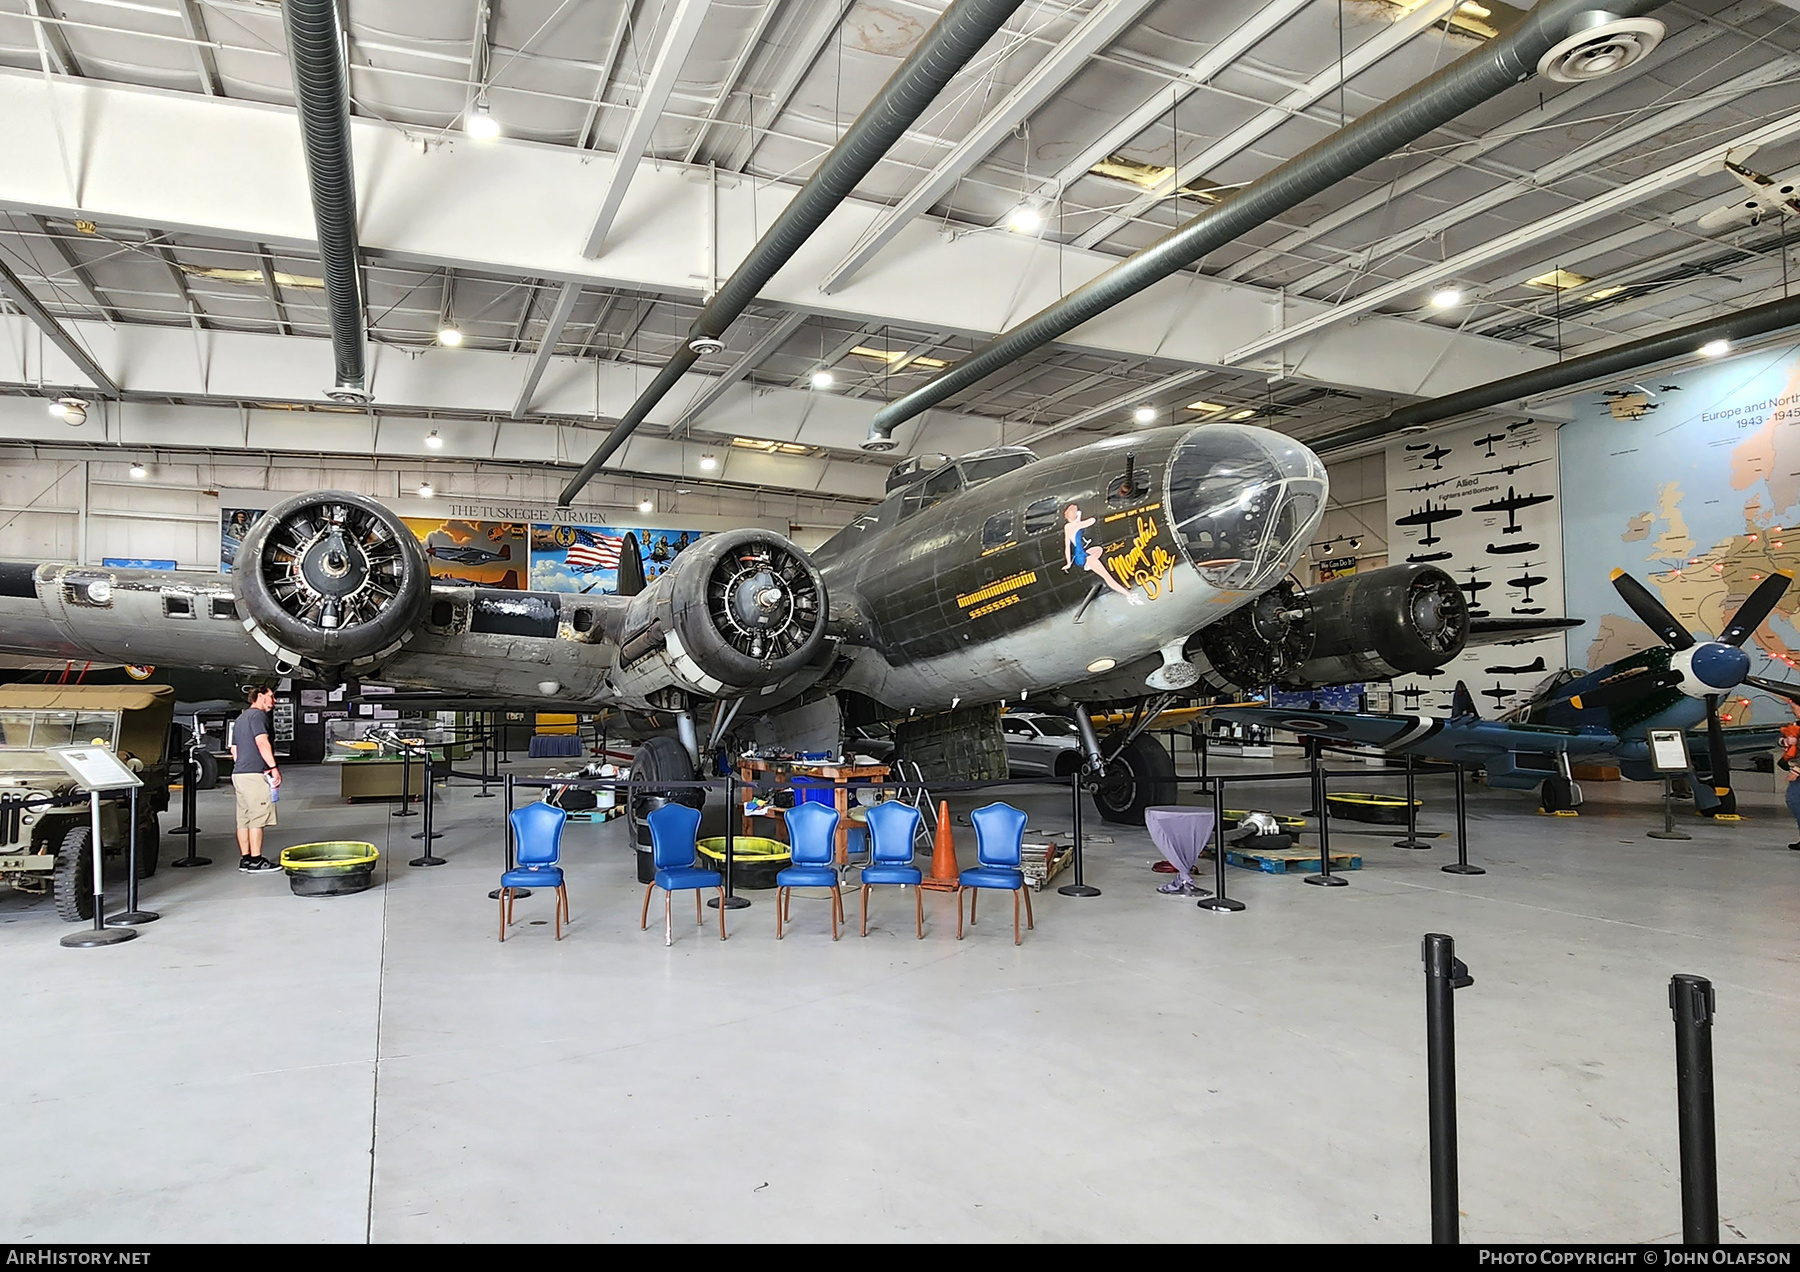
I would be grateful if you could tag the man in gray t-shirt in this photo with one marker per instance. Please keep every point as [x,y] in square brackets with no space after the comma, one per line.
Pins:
[255,777]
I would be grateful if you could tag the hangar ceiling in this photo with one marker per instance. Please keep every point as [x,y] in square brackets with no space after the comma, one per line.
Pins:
[154,204]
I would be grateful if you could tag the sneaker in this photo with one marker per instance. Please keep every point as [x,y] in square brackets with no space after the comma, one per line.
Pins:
[1794,847]
[251,865]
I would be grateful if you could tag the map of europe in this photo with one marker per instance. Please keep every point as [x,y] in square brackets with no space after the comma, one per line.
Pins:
[1690,482]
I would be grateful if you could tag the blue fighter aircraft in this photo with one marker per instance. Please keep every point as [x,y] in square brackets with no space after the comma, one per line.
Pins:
[1602,714]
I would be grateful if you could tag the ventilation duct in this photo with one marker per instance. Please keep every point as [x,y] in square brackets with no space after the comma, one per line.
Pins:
[1470,80]
[955,38]
[1684,342]
[322,97]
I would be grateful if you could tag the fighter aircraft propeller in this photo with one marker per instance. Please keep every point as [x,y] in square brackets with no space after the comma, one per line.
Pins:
[1714,667]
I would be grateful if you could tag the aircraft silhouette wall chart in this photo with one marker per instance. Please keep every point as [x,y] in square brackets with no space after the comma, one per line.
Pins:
[1484,504]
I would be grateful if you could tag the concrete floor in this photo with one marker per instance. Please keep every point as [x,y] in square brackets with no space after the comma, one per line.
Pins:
[265,1067]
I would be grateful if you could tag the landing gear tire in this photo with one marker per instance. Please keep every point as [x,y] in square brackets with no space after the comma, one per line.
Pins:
[663,759]
[1141,776]
[73,881]
[208,765]
[149,848]
[1560,795]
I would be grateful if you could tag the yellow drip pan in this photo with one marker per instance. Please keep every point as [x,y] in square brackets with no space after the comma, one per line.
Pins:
[754,862]
[335,868]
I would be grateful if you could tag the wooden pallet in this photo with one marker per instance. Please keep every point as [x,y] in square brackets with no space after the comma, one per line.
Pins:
[1288,860]
[598,815]
[1040,867]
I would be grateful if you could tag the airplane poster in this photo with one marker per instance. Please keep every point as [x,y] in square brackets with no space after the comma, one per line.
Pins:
[1484,505]
[578,558]
[474,553]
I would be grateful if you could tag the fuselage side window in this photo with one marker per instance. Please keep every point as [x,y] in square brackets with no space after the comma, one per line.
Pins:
[1130,487]
[997,531]
[1040,517]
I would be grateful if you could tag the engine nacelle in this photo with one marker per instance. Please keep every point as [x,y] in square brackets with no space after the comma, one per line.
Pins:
[331,579]
[733,613]
[1405,618]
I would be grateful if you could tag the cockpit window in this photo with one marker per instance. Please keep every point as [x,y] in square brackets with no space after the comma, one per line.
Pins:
[940,485]
[988,467]
[1240,504]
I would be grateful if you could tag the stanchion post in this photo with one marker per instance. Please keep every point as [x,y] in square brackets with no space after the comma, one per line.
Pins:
[99,934]
[1461,864]
[1412,839]
[1444,974]
[1205,741]
[1312,763]
[189,803]
[426,834]
[1322,798]
[1219,901]
[487,754]
[1691,1002]
[405,809]
[732,900]
[131,915]
[507,838]
[1080,888]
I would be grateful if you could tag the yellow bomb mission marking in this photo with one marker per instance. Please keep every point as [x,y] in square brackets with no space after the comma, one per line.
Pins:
[1025,578]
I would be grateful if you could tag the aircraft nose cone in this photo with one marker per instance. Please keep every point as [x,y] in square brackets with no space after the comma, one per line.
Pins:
[1720,666]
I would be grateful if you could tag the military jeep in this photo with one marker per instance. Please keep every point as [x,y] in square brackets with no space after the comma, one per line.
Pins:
[46,847]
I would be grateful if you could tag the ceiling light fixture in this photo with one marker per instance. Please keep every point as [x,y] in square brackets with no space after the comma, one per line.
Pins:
[1715,348]
[1144,414]
[425,491]
[1211,408]
[433,440]
[646,505]
[1447,298]
[1025,219]
[480,123]
[823,379]
[709,462]
[139,472]
[449,335]
[71,411]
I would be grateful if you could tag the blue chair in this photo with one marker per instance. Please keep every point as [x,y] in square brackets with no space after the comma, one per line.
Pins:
[891,829]
[537,847]
[673,847]
[812,835]
[999,851]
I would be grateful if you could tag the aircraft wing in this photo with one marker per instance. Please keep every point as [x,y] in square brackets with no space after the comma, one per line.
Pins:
[1491,631]
[331,587]
[1747,739]
[1463,739]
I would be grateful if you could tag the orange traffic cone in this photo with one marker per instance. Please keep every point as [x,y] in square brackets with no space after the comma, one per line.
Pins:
[944,876]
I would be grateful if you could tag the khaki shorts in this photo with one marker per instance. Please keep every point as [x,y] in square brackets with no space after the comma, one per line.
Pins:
[254,807]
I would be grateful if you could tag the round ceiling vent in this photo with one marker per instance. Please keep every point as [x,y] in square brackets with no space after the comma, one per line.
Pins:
[1601,50]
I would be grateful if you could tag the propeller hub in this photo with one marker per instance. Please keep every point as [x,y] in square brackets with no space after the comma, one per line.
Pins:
[1712,667]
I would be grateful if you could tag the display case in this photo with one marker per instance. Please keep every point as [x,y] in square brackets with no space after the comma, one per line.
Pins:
[374,754]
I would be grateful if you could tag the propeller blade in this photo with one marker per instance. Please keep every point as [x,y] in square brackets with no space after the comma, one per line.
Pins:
[1789,691]
[1756,607]
[1720,757]
[631,567]
[1655,615]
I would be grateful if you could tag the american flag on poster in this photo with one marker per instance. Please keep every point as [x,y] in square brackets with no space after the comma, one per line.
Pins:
[594,552]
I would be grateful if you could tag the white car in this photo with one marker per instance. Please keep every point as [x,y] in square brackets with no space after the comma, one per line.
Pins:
[1040,745]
